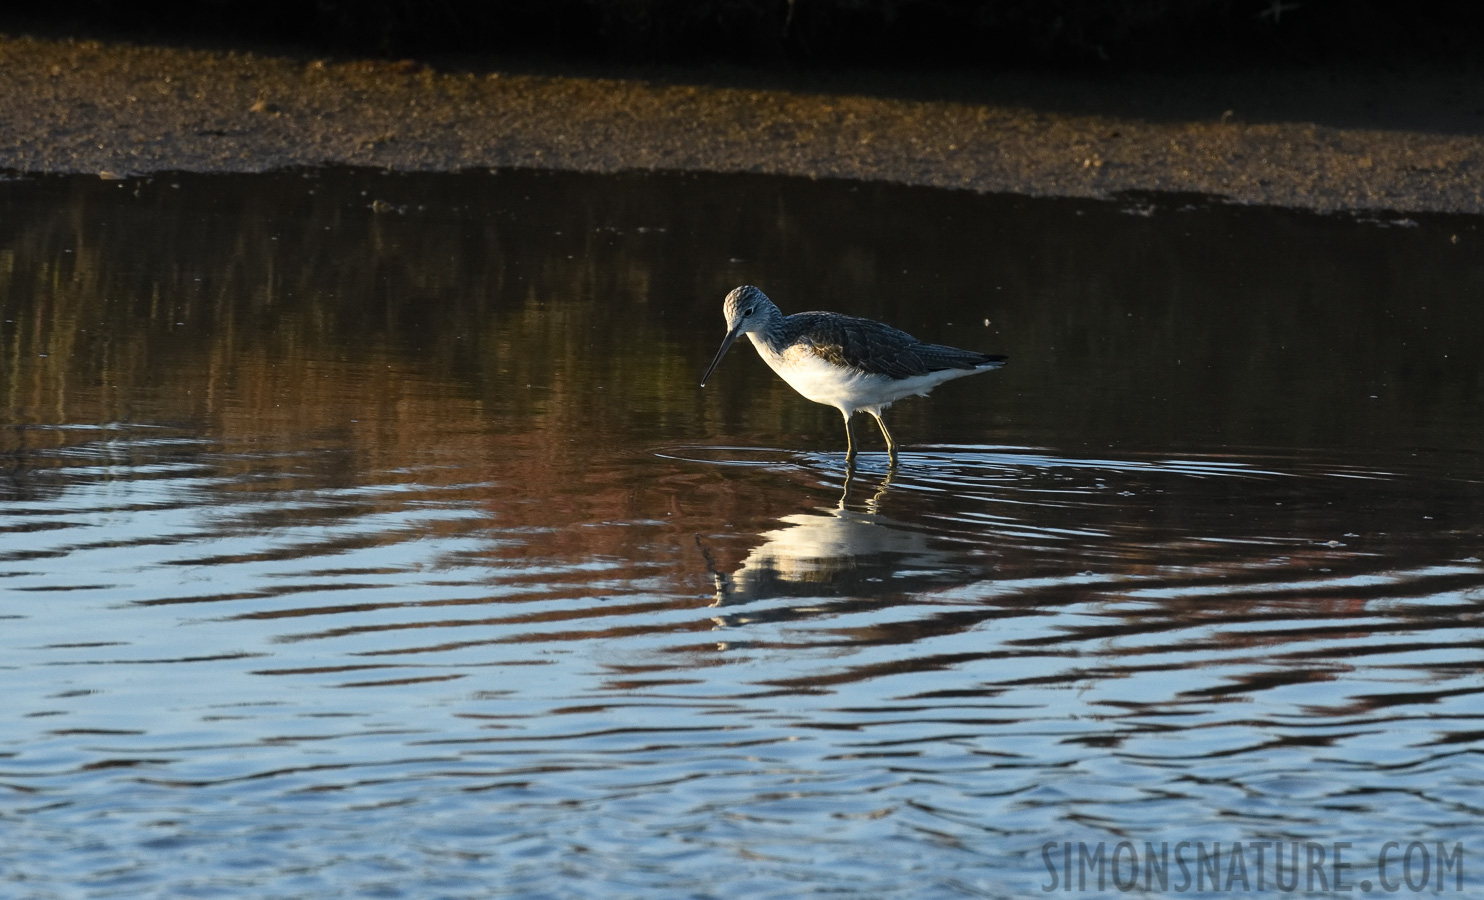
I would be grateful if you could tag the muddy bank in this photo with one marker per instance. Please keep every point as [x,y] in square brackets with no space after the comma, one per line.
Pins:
[1324,140]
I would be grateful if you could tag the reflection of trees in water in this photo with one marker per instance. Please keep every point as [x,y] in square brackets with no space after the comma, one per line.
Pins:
[574,303]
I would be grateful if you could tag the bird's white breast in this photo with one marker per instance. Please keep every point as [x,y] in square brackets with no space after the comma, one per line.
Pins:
[845,389]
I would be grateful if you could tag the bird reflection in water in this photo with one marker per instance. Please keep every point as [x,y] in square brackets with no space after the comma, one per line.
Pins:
[843,558]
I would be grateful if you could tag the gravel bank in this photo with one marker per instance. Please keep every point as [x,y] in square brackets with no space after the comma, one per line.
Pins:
[1312,139]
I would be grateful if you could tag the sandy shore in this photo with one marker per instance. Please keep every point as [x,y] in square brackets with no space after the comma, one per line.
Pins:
[1313,139]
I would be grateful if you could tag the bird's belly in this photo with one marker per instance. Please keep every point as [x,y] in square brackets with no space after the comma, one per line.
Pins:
[848,389]
[832,385]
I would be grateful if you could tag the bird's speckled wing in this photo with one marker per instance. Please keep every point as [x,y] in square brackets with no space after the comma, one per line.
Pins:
[869,346]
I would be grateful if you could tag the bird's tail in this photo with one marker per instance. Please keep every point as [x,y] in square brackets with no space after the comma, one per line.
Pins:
[940,357]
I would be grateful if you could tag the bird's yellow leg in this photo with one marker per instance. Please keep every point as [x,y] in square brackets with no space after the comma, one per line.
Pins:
[891,445]
[849,441]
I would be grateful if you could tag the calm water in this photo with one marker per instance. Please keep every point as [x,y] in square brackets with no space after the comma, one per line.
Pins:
[369,536]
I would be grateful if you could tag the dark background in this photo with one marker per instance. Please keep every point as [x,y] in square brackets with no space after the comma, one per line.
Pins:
[973,33]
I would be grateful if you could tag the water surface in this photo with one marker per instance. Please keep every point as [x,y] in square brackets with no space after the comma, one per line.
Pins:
[369,535]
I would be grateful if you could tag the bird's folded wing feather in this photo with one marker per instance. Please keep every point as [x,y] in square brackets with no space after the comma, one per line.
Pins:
[869,346]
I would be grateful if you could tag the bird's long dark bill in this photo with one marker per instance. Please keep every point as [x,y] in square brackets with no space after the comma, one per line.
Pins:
[725,345]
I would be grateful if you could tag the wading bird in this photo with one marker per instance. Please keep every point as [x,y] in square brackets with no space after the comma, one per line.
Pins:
[849,363]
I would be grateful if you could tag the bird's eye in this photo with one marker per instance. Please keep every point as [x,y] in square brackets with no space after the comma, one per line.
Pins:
[746,312]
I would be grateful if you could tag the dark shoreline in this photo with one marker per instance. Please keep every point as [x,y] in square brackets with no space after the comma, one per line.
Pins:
[1319,139]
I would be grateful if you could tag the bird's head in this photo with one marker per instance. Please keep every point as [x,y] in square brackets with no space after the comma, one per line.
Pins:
[747,309]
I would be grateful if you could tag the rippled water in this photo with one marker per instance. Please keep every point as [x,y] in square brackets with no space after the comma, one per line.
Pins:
[368,535]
